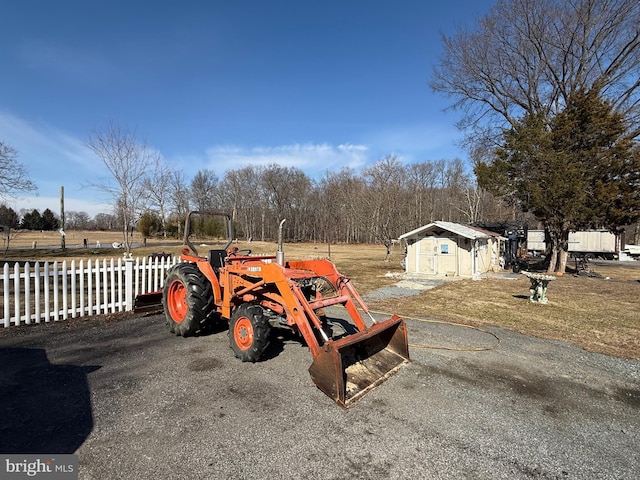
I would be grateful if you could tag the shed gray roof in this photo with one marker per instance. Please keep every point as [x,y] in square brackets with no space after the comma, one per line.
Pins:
[457,228]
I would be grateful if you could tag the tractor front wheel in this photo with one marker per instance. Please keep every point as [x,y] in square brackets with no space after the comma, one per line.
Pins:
[187,299]
[249,332]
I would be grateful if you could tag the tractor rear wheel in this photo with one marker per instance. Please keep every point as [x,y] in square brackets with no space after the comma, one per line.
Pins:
[187,299]
[249,332]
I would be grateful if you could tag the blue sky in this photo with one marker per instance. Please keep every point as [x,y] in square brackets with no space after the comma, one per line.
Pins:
[315,85]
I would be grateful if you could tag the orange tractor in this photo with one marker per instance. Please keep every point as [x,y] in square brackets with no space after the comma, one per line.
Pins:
[256,293]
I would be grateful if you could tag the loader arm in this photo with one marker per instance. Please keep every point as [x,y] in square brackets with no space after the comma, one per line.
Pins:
[344,368]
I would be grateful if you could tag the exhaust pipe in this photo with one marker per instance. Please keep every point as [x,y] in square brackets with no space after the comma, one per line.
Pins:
[280,252]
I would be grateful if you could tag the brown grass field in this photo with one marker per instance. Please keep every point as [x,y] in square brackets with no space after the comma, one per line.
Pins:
[597,314]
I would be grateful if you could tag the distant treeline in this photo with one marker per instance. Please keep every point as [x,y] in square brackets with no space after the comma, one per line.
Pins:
[375,205]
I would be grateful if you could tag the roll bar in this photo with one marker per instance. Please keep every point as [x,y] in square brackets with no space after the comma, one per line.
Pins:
[187,227]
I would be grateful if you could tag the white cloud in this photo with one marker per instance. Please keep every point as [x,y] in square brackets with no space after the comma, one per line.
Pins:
[53,159]
[40,145]
[313,159]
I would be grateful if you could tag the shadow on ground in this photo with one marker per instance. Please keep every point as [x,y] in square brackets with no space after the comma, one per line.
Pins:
[46,408]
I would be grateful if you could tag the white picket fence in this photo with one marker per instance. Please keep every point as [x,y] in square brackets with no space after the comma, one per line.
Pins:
[51,291]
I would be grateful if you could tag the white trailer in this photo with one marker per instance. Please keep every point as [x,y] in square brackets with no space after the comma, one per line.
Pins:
[590,243]
[535,242]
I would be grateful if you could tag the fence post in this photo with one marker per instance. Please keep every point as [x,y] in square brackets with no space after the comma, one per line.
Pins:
[7,293]
[128,281]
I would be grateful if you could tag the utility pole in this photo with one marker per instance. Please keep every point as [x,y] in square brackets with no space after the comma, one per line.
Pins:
[62,233]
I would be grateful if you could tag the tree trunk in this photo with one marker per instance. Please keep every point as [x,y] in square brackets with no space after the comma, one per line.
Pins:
[562,262]
[563,251]
[558,238]
[553,257]
[387,245]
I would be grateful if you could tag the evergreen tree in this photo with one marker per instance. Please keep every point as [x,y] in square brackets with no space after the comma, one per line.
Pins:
[32,221]
[50,220]
[8,217]
[576,170]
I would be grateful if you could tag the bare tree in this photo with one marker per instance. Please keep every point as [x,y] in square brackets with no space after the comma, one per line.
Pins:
[378,205]
[285,191]
[157,188]
[422,179]
[349,189]
[77,220]
[105,221]
[203,190]
[474,200]
[13,175]
[530,56]
[242,197]
[179,198]
[452,198]
[8,234]
[384,212]
[129,162]
[332,199]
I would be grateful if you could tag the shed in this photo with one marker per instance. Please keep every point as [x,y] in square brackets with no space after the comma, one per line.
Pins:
[451,249]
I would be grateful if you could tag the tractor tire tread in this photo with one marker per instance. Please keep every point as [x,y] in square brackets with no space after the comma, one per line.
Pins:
[200,299]
[261,332]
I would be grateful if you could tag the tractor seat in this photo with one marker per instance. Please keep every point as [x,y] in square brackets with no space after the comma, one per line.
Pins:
[216,259]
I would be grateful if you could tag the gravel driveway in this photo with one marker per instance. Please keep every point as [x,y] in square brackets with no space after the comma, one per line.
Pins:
[135,402]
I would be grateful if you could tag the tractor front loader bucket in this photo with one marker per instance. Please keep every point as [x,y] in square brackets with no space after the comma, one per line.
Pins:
[347,368]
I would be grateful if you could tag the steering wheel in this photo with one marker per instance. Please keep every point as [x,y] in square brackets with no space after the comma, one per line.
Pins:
[236,252]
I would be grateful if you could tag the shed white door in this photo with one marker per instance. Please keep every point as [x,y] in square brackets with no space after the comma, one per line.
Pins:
[426,257]
[437,255]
